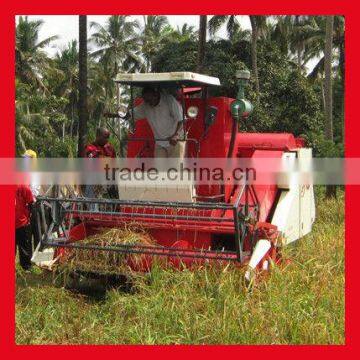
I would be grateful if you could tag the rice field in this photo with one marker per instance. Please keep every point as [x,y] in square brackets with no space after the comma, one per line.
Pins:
[300,302]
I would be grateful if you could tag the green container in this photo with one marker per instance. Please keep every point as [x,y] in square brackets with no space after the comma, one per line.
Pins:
[241,108]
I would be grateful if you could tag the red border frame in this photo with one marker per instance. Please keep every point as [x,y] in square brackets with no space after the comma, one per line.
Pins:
[7,34]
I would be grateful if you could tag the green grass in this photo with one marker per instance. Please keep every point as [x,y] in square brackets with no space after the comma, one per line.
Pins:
[301,302]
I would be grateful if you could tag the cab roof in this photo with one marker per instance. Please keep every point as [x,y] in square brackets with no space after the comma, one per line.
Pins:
[167,79]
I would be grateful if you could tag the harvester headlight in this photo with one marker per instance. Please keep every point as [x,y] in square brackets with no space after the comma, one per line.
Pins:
[192,112]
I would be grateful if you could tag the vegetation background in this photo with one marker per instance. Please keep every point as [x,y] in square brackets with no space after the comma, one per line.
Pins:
[277,50]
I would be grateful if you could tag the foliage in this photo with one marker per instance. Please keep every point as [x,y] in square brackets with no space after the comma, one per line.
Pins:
[30,57]
[117,43]
[289,100]
[39,117]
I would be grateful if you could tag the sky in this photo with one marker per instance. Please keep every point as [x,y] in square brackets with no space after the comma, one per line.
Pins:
[66,26]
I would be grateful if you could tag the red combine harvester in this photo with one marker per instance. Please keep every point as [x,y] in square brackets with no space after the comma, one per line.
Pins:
[242,222]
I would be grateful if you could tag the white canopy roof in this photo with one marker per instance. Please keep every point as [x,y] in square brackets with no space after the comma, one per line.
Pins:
[167,79]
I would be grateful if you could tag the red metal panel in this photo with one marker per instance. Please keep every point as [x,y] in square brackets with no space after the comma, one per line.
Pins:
[265,141]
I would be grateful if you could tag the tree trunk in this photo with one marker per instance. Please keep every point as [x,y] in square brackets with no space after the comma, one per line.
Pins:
[63,131]
[342,74]
[82,104]
[299,46]
[328,79]
[202,43]
[323,101]
[72,121]
[254,37]
[330,189]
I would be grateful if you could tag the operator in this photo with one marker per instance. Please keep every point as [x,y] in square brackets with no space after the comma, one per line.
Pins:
[165,117]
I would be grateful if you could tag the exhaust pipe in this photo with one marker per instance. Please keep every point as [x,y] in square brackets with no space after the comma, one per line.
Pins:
[260,250]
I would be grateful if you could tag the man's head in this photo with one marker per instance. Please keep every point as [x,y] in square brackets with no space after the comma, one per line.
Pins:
[151,95]
[102,136]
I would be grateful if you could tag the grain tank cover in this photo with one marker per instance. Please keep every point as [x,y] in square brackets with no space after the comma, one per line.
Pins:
[167,79]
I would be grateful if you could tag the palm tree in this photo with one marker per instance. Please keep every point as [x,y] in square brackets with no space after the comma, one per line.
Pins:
[30,115]
[65,79]
[155,32]
[30,59]
[185,33]
[24,132]
[313,34]
[295,37]
[232,24]
[83,109]
[330,189]
[328,78]
[102,93]
[202,43]
[118,43]
[289,32]
[258,24]
[309,34]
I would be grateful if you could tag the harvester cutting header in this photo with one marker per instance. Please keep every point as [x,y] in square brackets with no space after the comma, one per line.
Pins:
[196,223]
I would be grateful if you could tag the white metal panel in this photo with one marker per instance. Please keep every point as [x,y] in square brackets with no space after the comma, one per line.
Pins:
[285,181]
[307,200]
[287,214]
[133,190]
[44,258]
[167,77]
[294,214]
[153,193]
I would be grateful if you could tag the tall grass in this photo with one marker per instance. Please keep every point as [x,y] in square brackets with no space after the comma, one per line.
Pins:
[301,301]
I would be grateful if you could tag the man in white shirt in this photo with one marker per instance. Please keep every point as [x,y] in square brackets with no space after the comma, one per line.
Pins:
[165,117]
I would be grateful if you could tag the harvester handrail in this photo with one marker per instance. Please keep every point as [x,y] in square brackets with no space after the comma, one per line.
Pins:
[153,250]
[154,216]
[200,205]
[195,221]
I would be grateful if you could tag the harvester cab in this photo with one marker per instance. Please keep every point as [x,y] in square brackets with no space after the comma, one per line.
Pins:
[193,223]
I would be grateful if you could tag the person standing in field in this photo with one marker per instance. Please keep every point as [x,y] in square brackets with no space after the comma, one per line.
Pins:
[36,191]
[24,201]
[100,148]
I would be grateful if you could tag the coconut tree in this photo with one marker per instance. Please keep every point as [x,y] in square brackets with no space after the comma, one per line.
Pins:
[202,42]
[82,104]
[102,91]
[31,60]
[155,32]
[258,24]
[310,34]
[314,38]
[63,78]
[289,33]
[231,21]
[184,33]
[328,78]
[117,43]
[328,51]
[32,116]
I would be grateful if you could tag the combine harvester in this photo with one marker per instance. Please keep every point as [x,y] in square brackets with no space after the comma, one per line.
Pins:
[240,222]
